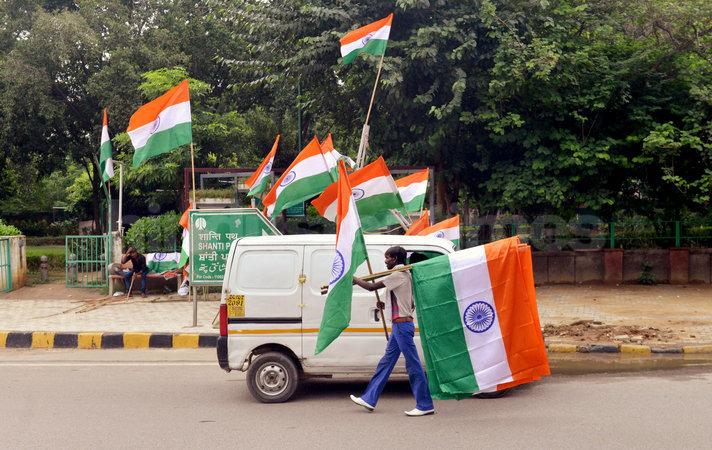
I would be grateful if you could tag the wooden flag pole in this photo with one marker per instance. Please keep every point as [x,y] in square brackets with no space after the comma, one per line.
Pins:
[361,157]
[378,298]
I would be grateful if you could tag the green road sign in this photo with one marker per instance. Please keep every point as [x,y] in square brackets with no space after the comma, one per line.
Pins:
[212,232]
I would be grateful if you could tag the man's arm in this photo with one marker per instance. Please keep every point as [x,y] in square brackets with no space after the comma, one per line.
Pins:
[369,286]
[124,258]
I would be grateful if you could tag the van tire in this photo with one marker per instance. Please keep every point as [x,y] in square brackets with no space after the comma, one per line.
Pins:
[272,377]
[495,394]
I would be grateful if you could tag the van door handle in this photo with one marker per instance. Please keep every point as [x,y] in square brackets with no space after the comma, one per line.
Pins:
[376,316]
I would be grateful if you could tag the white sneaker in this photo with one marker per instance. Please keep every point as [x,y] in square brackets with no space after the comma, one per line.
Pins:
[415,412]
[360,402]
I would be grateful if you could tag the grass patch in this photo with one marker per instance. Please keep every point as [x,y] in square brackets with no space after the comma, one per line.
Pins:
[47,250]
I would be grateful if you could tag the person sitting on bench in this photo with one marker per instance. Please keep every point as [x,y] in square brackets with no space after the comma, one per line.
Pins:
[138,263]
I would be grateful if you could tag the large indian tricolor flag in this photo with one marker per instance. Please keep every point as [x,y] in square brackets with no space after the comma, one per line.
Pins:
[371,39]
[106,162]
[350,254]
[307,176]
[375,194]
[479,325]
[447,229]
[412,189]
[161,125]
[257,183]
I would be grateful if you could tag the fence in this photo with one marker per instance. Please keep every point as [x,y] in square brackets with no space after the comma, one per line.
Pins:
[86,260]
[5,269]
[553,233]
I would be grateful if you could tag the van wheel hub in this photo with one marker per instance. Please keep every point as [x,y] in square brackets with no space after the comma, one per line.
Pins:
[272,379]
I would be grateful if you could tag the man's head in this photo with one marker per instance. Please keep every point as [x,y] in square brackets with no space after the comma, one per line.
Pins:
[131,251]
[394,256]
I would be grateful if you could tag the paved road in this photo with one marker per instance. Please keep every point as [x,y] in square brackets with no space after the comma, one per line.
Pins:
[180,399]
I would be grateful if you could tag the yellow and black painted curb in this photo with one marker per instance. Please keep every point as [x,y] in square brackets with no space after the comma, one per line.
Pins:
[628,349]
[96,340]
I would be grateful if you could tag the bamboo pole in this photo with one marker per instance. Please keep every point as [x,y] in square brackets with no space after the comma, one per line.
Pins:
[361,156]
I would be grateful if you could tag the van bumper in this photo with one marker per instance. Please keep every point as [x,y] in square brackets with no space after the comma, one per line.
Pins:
[222,353]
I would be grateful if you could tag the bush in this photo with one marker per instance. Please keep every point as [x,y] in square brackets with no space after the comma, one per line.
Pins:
[8,230]
[155,234]
[45,240]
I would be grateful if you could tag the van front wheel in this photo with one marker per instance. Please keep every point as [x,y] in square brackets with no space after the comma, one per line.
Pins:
[272,377]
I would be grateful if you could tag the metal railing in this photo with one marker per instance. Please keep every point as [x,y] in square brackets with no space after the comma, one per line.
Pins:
[86,260]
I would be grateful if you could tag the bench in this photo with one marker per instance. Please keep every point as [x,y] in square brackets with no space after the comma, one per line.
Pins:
[150,276]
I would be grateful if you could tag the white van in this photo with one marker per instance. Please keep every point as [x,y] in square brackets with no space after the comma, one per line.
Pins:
[271,309]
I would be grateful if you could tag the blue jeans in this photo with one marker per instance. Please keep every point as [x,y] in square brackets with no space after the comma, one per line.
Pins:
[401,341]
[127,279]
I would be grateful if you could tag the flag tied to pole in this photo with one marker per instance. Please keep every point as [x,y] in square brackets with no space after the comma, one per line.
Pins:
[106,163]
[412,189]
[350,254]
[257,183]
[478,319]
[371,39]
[161,125]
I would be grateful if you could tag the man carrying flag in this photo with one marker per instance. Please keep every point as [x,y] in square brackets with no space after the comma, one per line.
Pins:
[106,163]
[257,183]
[161,125]
[399,292]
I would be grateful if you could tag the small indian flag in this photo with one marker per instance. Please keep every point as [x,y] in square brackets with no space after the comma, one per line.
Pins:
[371,39]
[162,262]
[257,182]
[333,157]
[106,163]
[447,229]
[307,176]
[185,246]
[412,189]
[350,254]
[478,321]
[375,194]
[419,225]
[161,125]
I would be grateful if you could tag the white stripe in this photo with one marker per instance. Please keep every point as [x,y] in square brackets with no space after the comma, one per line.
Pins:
[450,234]
[168,118]
[264,173]
[345,240]
[371,187]
[313,165]
[104,135]
[413,190]
[488,357]
[382,33]
[185,246]
[163,257]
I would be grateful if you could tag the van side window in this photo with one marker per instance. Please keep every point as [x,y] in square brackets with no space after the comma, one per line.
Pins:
[268,269]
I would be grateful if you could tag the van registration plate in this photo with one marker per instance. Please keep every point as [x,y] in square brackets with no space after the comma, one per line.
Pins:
[235,305]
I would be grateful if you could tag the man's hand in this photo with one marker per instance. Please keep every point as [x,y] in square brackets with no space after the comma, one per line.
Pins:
[380,305]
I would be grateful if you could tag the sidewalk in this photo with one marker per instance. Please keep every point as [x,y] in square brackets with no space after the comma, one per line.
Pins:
[662,316]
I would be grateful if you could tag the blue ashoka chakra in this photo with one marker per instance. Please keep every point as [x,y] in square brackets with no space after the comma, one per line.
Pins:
[268,167]
[159,256]
[289,178]
[337,268]
[156,124]
[440,234]
[367,38]
[478,317]
[357,193]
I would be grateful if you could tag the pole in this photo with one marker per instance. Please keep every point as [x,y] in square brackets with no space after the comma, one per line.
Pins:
[193,206]
[363,144]
[378,299]
[121,199]
[299,113]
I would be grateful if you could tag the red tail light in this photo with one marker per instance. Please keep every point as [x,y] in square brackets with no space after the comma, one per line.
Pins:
[223,319]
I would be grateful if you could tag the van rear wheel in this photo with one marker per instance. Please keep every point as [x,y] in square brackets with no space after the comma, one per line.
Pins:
[272,377]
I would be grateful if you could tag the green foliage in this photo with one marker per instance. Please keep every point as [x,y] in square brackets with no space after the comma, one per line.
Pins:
[155,234]
[647,276]
[8,230]
[214,193]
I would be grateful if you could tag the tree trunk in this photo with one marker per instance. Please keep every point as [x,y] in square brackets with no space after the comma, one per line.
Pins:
[94,179]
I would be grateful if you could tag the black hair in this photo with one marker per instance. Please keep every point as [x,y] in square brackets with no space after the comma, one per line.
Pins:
[416,257]
[398,253]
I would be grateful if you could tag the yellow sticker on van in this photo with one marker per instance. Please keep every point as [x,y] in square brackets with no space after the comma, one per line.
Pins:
[235,305]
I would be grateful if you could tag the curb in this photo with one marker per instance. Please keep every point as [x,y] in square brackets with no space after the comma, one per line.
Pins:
[628,349]
[50,339]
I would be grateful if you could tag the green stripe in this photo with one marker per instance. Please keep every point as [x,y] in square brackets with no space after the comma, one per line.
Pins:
[258,188]
[416,204]
[374,47]
[375,210]
[163,142]
[104,155]
[447,359]
[301,190]
[161,266]
[337,309]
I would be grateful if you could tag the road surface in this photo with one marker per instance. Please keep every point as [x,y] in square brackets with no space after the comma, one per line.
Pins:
[181,399]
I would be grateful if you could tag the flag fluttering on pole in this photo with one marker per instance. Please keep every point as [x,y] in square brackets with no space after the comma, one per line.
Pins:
[419,225]
[478,320]
[161,125]
[350,254]
[106,162]
[374,192]
[412,189]
[447,229]
[371,39]
[307,176]
[185,246]
[257,183]
[333,157]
